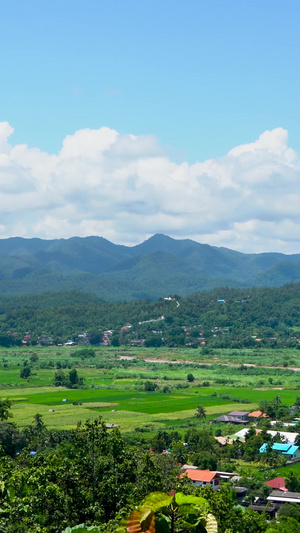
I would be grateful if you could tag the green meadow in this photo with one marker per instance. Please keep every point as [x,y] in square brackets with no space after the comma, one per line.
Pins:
[114,384]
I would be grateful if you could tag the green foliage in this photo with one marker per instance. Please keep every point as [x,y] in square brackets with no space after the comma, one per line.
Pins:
[290,510]
[70,381]
[269,314]
[95,336]
[84,353]
[25,372]
[190,378]
[82,529]
[157,267]
[73,377]
[162,513]
[150,386]
[85,480]
[254,481]
[292,481]
[284,525]
[200,413]
[12,440]
[5,406]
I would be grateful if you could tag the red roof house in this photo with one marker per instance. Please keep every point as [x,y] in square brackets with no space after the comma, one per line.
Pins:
[278,483]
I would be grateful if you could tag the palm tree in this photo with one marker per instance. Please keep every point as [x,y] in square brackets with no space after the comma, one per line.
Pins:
[200,413]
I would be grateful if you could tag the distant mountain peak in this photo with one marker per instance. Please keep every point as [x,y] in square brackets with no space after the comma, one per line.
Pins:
[159,265]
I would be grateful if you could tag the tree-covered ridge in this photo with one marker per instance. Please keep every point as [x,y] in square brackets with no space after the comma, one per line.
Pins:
[157,266]
[222,317]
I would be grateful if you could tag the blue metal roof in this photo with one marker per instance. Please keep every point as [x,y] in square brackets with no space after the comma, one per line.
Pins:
[285,449]
[280,447]
[263,448]
[291,450]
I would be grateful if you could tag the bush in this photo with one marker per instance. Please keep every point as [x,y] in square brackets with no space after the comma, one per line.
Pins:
[84,352]
[25,372]
[149,386]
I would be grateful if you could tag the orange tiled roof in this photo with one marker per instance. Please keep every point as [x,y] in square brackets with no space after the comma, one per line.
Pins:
[258,414]
[199,475]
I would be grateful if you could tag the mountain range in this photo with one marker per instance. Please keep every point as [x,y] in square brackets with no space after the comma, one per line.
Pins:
[157,267]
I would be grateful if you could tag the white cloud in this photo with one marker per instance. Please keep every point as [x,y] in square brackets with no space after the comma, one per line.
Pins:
[125,188]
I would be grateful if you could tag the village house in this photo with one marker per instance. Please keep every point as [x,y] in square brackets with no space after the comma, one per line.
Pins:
[286,435]
[290,450]
[278,483]
[241,415]
[255,415]
[223,441]
[234,417]
[201,478]
[280,498]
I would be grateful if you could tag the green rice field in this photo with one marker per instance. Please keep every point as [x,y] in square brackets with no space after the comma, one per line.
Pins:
[114,382]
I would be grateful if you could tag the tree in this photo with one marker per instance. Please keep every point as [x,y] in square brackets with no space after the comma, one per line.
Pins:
[153,340]
[253,522]
[25,372]
[272,458]
[285,525]
[200,440]
[254,481]
[292,481]
[291,510]
[95,336]
[60,379]
[38,422]
[5,406]
[149,386]
[205,460]
[12,440]
[190,378]
[115,340]
[200,413]
[73,377]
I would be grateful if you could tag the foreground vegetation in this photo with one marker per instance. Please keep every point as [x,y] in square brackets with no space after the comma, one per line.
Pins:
[97,477]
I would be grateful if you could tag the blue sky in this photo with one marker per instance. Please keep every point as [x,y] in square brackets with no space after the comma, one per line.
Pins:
[202,76]
[191,80]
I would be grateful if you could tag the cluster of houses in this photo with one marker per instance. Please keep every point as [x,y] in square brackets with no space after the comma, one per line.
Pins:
[288,449]
[279,496]
[240,417]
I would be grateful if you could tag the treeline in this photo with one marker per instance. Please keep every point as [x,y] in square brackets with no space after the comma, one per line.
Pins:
[224,317]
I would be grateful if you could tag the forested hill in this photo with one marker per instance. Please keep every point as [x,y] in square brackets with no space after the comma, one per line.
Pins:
[223,317]
[158,266]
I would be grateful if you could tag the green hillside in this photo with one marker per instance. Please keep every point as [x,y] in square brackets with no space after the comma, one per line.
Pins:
[151,269]
[224,317]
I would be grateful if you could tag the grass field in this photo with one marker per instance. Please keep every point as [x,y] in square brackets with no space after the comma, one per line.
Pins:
[114,387]
[286,469]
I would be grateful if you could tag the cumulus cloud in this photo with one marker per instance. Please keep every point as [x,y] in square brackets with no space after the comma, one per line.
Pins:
[125,188]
